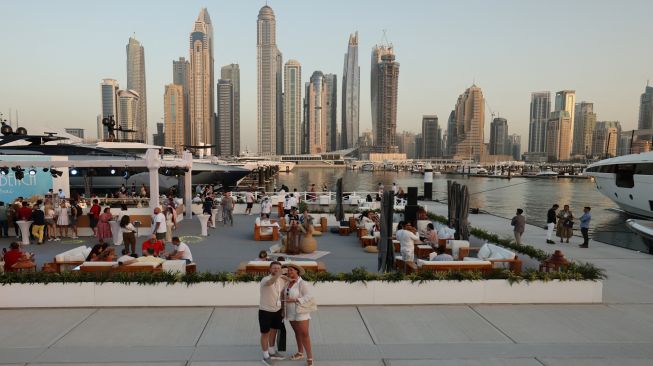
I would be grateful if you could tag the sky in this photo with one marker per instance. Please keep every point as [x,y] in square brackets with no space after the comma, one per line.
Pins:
[54,54]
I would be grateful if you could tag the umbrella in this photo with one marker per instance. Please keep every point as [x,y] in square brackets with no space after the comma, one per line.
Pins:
[386,248]
[340,213]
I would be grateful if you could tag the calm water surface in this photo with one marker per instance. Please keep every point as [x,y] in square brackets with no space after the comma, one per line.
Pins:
[500,197]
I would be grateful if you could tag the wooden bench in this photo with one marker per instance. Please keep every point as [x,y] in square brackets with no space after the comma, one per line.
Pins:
[261,269]
[412,267]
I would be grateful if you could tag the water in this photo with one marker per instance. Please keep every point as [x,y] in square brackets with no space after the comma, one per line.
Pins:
[499,197]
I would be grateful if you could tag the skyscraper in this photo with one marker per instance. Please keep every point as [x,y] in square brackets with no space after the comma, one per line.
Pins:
[128,108]
[431,138]
[566,101]
[350,94]
[584,127]
[225,122]
[232,72]
[558,141]
[539,116]
[605,139]
[292,108]
[646,109]
[159,137]
[201,104]
[406,141]
[315,114]
[331,86]
[451,134]
[181,76]
[174,116]
[279,103]
[136,82]
[499,137]
[470,125]
[514,145]
[385,87]
[267,100]
[109,91]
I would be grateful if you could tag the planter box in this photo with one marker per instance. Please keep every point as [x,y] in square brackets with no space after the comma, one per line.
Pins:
[329,293]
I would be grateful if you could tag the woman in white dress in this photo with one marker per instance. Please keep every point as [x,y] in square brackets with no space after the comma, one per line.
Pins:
[170,224]
[62,219]
[297,291]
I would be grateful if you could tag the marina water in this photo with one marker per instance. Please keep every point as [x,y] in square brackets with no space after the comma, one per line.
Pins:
[499,197]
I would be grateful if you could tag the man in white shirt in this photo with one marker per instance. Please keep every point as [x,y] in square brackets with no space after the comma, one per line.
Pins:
[159,224]
[406,242]
[182,251]
[249,199]
[270,318]
[287,205]
[395,189]
[266,206]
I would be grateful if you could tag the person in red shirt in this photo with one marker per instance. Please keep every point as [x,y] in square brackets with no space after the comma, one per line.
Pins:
[154,243]
[94,216]
[25,213]
[12,256]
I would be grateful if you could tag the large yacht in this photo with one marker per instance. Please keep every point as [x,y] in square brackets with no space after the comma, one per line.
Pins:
[628,181]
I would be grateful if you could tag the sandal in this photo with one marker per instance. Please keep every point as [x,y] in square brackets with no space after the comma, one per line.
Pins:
[296,356]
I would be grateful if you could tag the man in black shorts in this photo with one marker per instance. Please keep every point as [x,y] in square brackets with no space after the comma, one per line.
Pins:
[269,313]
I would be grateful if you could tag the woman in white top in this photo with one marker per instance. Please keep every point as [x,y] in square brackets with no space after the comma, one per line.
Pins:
[62,219]
[407,241]
[50,222]
[128,234]
[297,292]
[266,206]
[170,222]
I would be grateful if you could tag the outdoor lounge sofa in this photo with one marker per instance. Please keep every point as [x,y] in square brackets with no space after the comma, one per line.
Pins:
[262,267]
[499,256]
[266,232]
[71,258]
[441,266]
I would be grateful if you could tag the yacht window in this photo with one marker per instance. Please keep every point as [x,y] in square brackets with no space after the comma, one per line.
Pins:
[607,168]
[644,169]
[625,174]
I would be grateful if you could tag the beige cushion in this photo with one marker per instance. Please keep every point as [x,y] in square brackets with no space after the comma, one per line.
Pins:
[421,262]
[174,266]
[455,246]
[371,249]
[145,264]
[99,264]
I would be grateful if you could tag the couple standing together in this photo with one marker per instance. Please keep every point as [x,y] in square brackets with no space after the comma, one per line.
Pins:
[285,295]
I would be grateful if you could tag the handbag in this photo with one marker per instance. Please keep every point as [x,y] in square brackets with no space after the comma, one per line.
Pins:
[307,307]
[568,223]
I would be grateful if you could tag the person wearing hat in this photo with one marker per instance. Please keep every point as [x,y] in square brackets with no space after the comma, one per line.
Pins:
[270,316]
[297,292]
[266,206]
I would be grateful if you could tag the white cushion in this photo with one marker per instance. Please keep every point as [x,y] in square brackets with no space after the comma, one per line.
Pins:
[174,266]
[457,263]
[145,264]
[267,263]
[485,252]
[471,259]
[423,246]
[99,264]
[421,226]
[500,253]
[369,226]
[455,246]
[78,252]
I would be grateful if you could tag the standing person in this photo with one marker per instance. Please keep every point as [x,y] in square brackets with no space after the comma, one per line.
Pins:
[565,224]
[395,189]
[266,206]
[51,228]
[103,227]
[94,215]
[159,226]
[406,242]
[312,194]
[297,292]
[143,191]
[207,206]
[585,226]
[75,212]
[62,219]
[170,223]
[4,220]
[249,200]
[12,217]
[519,225]
[133,189]
[270,318]
[38,216]
[287,205]
[551,223]
[228,204]
[128,234]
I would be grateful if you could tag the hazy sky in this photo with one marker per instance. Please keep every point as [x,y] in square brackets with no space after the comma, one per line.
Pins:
[54,54]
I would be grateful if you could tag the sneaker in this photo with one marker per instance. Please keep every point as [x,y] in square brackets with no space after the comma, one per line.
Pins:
[267,361]
[277,356]
[57,239]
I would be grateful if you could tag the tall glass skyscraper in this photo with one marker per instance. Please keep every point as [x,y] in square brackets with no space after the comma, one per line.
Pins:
[350,95]
[109,94]
[316,125]
[470,125]
[232,72]
[539,116]
[331,86]
[225,129]
[385,88]
[202,105]
[174,117]
[431,138]
[181,76]
[268,80]
[292,108]
[499,137]
[136,82]
[646,109]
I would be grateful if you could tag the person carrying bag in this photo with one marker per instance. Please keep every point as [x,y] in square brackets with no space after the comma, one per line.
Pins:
[299,304]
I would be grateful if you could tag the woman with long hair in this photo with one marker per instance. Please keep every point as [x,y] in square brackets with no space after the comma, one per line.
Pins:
[103,228]
[297,292]
[565,226]
[62,219]
[128,234]
[170,223]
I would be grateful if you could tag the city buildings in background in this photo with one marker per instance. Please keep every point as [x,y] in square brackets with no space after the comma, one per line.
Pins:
[407,143]
[585,122]
[77,132]
[605,139]
[231,72]
[136,82]
[267,57]
[558,136]
[514,146]
[539,117]
[174,117]
[109,95]
[499,137]
[159,137]
[181,77]
[384,93]
[128,109]
[225,121]
[645,120]
[431,144]
[201,85]
[292,108]
[468,138]
[331,86]
[350,95]
[565,100]
[315,114]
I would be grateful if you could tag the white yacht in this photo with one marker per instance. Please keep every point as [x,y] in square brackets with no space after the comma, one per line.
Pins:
[628,181]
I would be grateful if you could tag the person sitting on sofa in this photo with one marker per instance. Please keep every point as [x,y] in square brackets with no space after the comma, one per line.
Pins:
[147,258]
[101,253]
[182,251]
[264,220]
[13,256]
[154,243]
[263,256]
[431,235]
[440,254]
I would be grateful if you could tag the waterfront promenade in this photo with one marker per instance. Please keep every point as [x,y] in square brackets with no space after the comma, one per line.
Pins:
[617,332]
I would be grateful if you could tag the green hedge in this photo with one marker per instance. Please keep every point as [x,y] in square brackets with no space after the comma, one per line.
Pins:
[574,272]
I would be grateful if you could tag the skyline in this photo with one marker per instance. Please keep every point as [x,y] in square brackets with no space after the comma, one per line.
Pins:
[611,72]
